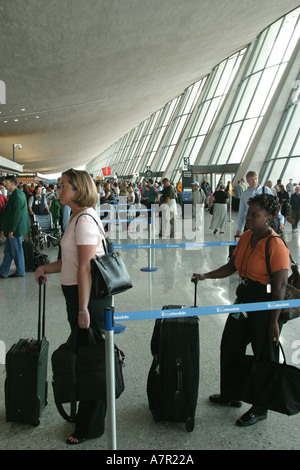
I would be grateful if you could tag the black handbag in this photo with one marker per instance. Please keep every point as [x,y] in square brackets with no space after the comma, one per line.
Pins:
[109,273]
[270,385]
[79,372]
[291,291]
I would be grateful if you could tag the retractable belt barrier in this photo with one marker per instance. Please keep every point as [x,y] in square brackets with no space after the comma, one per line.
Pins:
[110,318]
[140,246]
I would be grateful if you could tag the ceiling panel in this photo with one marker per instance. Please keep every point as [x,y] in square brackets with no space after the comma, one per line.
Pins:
[79,74]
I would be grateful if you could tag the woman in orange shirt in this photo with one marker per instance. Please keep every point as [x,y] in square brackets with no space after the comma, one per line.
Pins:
[260,328]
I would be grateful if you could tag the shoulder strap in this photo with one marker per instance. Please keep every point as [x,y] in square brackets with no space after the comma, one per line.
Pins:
[268,255]
[108,246]
[86,213]
[73,406]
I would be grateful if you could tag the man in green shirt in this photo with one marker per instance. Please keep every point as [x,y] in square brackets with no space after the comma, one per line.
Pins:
[15,224]
[152,193]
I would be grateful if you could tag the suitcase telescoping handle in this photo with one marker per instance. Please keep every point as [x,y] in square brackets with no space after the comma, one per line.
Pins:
[195,281]
[41,319]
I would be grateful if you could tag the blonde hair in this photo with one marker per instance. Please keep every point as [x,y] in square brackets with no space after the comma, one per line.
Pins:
[83,183]
[251,174]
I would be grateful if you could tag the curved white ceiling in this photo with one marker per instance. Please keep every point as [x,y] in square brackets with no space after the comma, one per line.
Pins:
[79,74]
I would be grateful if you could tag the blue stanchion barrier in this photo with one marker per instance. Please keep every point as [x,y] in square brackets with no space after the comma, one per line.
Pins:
[109,221]
[208,310]
[172,245]
[117,211]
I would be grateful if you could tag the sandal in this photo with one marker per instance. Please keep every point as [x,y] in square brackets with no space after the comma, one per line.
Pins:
[76,440]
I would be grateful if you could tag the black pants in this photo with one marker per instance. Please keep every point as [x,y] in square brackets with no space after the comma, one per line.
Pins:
[241,331]
[90,417]
[296,216]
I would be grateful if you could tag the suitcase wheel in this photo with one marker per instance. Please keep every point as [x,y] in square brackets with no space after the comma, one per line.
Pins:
[189,424]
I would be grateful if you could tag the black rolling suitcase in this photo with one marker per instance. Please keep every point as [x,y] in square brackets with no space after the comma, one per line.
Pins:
[26,374]
[173,378]
[33,258]
[28,248]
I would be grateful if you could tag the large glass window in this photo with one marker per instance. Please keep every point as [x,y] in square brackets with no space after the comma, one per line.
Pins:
[143,143]
[123,151]
[283,159]
[272,51]
[185,108]
[214,94]
[164,118]
[154,142]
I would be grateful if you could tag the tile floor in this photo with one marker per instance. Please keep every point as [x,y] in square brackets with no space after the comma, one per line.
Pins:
[215,427]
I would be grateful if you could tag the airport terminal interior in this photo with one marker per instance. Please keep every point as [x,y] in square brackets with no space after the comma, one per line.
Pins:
[215,427]
[132,90]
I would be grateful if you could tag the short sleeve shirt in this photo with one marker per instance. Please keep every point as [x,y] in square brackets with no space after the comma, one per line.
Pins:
[84,232]
[251,262]
[152,194]
[168,191]
[220,197]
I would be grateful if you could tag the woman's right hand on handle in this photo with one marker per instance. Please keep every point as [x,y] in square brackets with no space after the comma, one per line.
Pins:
[199,277]
[40,273]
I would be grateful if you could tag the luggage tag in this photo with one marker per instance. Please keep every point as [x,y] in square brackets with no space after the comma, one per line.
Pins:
[238,314]
[269,288]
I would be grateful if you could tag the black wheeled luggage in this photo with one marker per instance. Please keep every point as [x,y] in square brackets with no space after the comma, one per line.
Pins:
[173,378]
[28,249]
[26,374]
[33,258]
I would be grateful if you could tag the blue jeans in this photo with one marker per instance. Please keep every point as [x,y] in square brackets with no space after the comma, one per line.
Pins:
[65,214]
[13,251]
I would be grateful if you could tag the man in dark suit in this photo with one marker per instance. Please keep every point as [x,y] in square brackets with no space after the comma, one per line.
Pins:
[15,224]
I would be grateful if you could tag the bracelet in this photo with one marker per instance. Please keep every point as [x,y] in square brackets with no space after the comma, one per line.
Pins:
[81,312]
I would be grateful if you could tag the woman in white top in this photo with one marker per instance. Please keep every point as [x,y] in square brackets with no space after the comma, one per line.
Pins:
[81,241]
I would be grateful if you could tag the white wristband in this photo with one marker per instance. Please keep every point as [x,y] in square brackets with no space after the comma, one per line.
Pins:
[81,312]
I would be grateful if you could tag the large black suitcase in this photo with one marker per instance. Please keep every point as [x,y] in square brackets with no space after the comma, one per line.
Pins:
[33,258]
[173,378]
[26,374]
[28,249]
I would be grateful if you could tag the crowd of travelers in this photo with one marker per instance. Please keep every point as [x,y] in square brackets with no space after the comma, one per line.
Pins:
[42,198]
[287,196]
[76,198]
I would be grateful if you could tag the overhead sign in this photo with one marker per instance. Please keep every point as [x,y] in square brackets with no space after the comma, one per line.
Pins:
[186,163]
[148,173]
[187,179]
[106,171]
